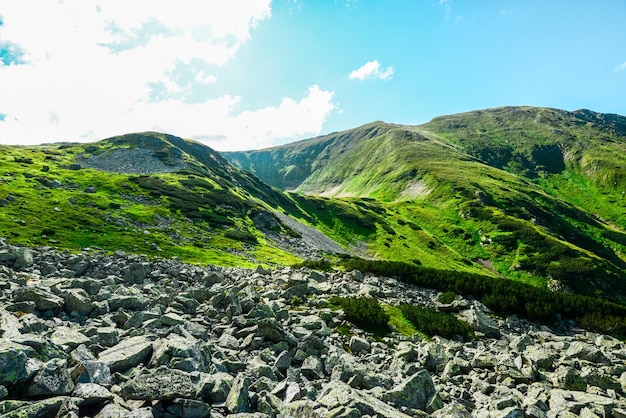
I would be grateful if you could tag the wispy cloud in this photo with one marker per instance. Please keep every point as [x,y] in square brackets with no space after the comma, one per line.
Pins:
[370,70]
[79,71]
[621,67]
[504,13]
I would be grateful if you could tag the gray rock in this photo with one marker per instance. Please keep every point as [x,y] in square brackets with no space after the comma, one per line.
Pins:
[292,392]
[481,322]
[452,410]
[189,408]
[108,336]
[161,384]
[359,345]
[216,387]
[76,300]
[181,353]
[135,273]
[52,380]
[91,393]
[312,368]
[583,351]
[44,299]
[3,392]
[128,353]
[14,362]
[23,257]
[68,337]
[9,325]
[416,392]
[283,361]
[338,396]
[237,399]
[89,371]
[44,408]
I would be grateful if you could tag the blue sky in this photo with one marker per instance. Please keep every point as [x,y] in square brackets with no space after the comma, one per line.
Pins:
[244,74]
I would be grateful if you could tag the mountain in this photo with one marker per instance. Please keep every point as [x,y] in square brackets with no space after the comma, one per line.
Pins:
[147,193]
[533,194]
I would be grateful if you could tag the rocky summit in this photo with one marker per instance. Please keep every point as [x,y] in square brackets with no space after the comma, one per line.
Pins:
[117,335]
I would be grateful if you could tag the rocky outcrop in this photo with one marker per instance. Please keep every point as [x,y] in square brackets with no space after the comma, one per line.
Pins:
[121,335]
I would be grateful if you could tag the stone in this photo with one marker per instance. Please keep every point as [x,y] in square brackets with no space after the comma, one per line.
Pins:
[44,299]
[583,351]
[89,371]
[237,399]
[23,257]
[128,353]
[135,273]
[452,410]
[283,361]
[9,325]
[292,392]
[68,337]
[216,387]
[52,380]
[312,368]
[91,393]
[43,408]
[414,393]
[182,353]
[338,396]
[359,345]
[189,408]
[14,362]
[161,383]
[76,300]
[481,322]
[108,336]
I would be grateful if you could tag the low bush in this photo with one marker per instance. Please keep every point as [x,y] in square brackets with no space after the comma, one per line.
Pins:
[365,312]
[431,322]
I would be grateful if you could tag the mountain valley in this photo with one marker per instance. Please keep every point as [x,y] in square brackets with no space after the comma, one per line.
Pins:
[509,224]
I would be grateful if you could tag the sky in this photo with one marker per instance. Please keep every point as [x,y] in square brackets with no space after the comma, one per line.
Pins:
[249,74]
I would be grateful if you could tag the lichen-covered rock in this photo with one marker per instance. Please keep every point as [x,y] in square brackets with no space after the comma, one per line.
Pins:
[162,383]
[43,298]
[14,362]
[237,399]
[128,353]
[52,380]
[416,392]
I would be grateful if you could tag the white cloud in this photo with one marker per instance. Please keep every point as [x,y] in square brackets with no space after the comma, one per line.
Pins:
[371,70]
[91,69]
[621,67]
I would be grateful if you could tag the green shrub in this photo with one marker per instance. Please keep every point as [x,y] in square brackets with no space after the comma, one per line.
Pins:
[364,312]
[431,322]
[447,297]
[321,264]
[242,236]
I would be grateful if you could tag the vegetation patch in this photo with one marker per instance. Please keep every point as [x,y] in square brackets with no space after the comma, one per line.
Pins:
[365,312]
[431,322]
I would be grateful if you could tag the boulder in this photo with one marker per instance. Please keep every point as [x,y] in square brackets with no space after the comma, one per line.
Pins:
[14,362]
[91,393]
[338,396]
[161,383]
[128,353]
[43,298]
[68,337]
[237,399]
[51,380]
[416,392]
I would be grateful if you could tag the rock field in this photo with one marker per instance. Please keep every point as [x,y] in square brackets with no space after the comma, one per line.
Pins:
[118,335]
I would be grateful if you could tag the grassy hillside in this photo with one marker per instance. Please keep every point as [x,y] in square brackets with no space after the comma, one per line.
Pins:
[150,193]
[531,194]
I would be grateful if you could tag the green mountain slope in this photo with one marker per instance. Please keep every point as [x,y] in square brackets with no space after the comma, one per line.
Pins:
[532,194]
[144,193]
